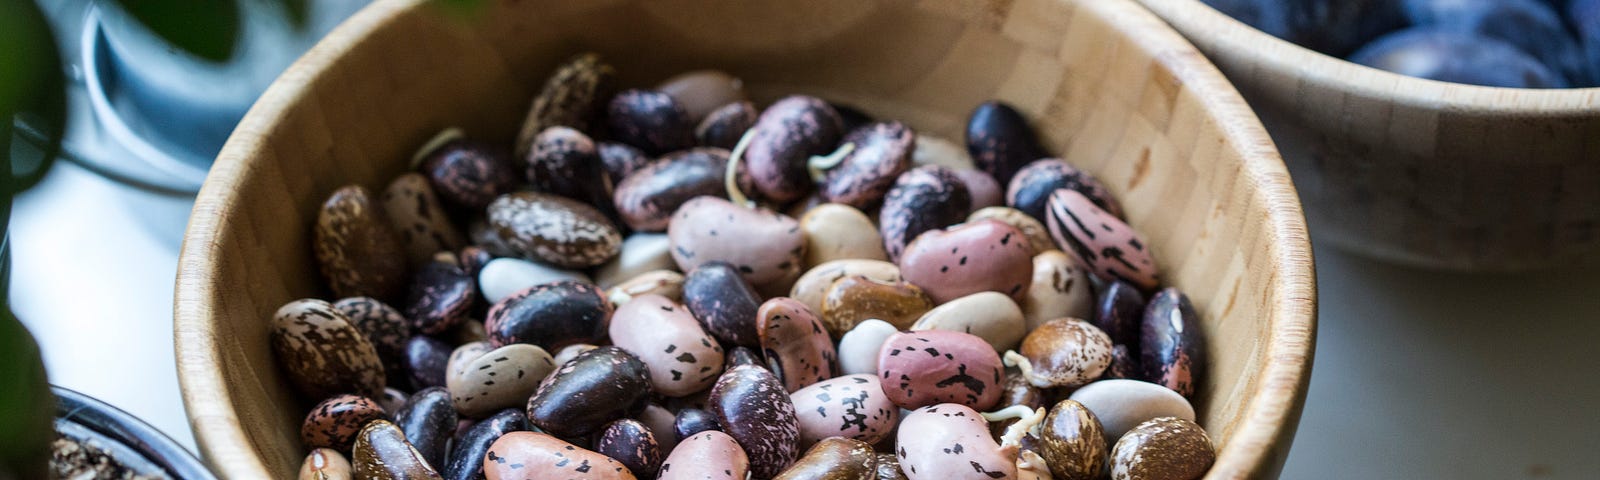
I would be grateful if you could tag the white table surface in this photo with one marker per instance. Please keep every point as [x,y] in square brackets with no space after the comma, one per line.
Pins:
[1418,374]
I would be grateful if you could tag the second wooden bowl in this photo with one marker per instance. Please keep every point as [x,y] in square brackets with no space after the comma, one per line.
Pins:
[1417,171]
[1110,87]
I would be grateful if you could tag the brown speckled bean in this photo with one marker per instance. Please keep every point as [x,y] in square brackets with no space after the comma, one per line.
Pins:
[856,298]
[835,458]
[418,218]
[323,353]
[1065,352]
[1072,443]
[1166,448]
[381,452]
[632,444]
[573,96]
[442,296]
[469,174]
[334,423]
[359,253]
[384,326]
[752,406]
[554,229]
[585,394]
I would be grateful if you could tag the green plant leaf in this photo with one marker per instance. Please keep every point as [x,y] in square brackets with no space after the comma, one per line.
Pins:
[206,28]
[32,86]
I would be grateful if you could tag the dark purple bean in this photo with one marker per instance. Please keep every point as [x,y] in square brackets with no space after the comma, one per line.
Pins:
[1030,190]
[469,174]
[1118,311]
[647,199]
[385,327]
[724,303]
[1172,346]
[882,152]
[442,296]
[1124,364]
[621,160]
[466,458]
[650,120]
[1000,140]
[426,360]
[925,198]
[550,315]
[693,420]
[429,420]
[585,394]
[723,127]
[565,162]
[632,444]
[743,356]
[752,406]
[785,137]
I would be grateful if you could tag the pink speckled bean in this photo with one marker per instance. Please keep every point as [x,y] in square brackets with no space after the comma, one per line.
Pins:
[980,256]
[950,442]
[1099,239]
[935,366]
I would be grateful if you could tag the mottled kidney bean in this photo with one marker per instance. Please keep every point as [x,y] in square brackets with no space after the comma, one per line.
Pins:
[429,420]
[322,353]
[1065,352]
[783,139]
[551,315]
[888,468]
[930,367]
[538,456]
[469,174]
[652,121]
[855,299]
[1000,140]
[334,423]
[1060,288]
[798,350]
[1172,348]
[566,162]
[357,250]
[553,229]
[1030,190]
[573,96]
[466,457]
[1166,448]
[632,444]
[880,153]
[585,394]
[922,199]
[950,442]
[1072,442]
[752,406]
[812,287]
[384,326]
[418,219]
[723,302]
[682,357]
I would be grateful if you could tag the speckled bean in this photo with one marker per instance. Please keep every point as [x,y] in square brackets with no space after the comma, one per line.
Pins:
[1119,311]
[710,229]
[1171,343]
[418,219]
[931,367]
[358,252]
[566,162]
[1031,189]
[585,394]
[442,295]
[1000,140]
[429,420]
[1060,288]
[681,356]
[482,381]
[880,153]
[650,120]
[752,406]
[1165,448]
[852,406]
[1072,442]
[812,287]
[1123,404]
[783,139]
[553,229]
[724,303]
[1111,248]
[381,452]
[469,174]
[427,361]
[466,457]
[384,326]
[573,96]
[969,258]
[707,455]
[950,442]
[334,423]
[323,353]
[922,199]
[538,456]
[648,198]
[1065,352]
[835,458]
[796,346]
[632,444]
[723,126]
[985,191]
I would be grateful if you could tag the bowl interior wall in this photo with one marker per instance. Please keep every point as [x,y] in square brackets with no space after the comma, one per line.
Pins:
[1107,84]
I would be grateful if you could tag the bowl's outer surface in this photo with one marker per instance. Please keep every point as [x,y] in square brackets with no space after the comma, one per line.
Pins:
[1111,87]
[1417,171]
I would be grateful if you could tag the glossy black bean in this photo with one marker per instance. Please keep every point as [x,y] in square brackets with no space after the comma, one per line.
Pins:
[429,420]
[595,388]
[693,420]
[723,302]
[1000,140]
[1172,346]
[1118,311]
[648,198]
[552,315]
[725,125]
[466,458]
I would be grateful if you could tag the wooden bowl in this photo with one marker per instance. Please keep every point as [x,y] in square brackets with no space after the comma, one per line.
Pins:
[1417,171]
[1109,86]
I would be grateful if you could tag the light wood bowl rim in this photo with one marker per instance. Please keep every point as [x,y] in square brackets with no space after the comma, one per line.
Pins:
[1269,416]
[1234,38]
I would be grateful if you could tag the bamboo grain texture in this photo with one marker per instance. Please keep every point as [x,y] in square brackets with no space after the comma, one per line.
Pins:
[1110,87]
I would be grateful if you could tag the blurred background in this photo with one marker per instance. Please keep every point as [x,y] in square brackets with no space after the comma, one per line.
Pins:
[1418,374]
